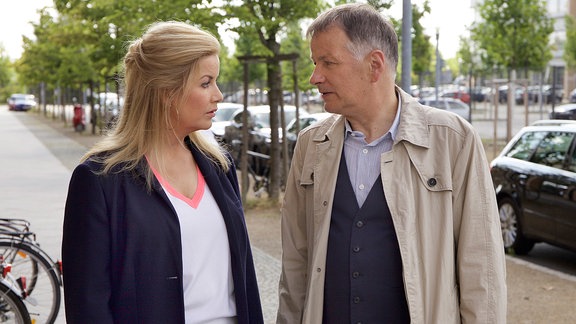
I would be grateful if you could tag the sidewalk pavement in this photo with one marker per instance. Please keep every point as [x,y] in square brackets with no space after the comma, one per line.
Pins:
[36,165]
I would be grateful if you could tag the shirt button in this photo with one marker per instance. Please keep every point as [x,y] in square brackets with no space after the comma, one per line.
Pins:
[356,300]
[365,151]
[361,187]
[359,223]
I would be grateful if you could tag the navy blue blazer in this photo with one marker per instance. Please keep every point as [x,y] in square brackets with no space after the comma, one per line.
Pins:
[122,253]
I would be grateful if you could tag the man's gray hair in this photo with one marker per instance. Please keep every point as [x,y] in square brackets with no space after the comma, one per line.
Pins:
[366,28]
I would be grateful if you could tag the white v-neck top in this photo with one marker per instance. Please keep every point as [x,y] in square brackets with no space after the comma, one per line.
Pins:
[208,285]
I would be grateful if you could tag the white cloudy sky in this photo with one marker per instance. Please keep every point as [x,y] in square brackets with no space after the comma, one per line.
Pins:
[450,17]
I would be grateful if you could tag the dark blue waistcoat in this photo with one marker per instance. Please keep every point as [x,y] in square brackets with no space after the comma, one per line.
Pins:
[364,281]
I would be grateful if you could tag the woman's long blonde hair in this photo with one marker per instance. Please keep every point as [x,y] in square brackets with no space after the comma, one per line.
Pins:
[157,68]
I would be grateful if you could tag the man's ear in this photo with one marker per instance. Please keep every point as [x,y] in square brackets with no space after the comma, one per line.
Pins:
[377,65]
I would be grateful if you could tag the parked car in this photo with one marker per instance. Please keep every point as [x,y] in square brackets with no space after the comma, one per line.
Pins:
[553,122]
[531,93]
[567,111]
[294,128]
[481,94]
[535,181]
[547,95]
[460,94]
[21,102]
[223,118]
[503,93]
[259,133]
[424,92]
[453,105]
[108,106]
[572,96]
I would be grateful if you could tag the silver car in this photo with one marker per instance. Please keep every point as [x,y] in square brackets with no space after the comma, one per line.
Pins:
[452,105]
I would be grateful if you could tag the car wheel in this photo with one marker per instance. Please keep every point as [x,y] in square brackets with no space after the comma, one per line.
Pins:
[512,228]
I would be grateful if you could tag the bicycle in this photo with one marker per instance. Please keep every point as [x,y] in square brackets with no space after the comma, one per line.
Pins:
[258,167]
[12,307]
[19,248]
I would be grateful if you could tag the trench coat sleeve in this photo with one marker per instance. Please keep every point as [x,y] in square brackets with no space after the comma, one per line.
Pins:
[86,251]
[481,265]
[293,281]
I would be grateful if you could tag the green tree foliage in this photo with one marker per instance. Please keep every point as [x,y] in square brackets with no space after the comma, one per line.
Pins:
[378,4]
[570,45]
[268,21]
[514,33]
[5,67]
[295,43]
[40,60]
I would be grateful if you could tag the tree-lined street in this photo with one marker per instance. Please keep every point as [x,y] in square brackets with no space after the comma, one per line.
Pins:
[39,154]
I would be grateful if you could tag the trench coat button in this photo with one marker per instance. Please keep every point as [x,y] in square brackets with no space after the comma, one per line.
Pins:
[355,274]
[359,223]
[432,182]
[356,249]
[325,203]
[356,300]
[318,270]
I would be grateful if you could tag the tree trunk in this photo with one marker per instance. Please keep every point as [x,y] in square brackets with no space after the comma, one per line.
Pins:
[274,97]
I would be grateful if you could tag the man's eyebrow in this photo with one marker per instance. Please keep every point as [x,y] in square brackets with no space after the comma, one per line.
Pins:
[322,57]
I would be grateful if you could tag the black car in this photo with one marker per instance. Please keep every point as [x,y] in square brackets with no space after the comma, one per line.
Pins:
[535,181]
[259,134]
[567,111]
[293,128]
[547,94]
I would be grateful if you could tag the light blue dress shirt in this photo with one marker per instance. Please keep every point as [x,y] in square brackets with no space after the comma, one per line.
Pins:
[363,159]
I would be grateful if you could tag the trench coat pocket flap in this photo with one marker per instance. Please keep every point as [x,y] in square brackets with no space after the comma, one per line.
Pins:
[436,182]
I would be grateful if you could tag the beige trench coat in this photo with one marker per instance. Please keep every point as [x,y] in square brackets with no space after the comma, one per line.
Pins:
[448,228]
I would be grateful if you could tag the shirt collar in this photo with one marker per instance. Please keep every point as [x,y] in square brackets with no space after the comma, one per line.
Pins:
[393,129]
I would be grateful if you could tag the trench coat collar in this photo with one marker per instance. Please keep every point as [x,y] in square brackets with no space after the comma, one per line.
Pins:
[413,126]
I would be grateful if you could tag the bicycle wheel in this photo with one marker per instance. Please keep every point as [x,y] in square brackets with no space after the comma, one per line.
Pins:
[12,308]
[43,285]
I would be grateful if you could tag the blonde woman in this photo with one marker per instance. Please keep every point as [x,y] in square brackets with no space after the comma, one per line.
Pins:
[154,230]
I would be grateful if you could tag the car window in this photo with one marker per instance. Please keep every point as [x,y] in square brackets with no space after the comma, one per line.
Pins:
[262,120]
[457,108]
[526,145]
[552,149]
[238,117]
[224,114]
[455,105]
[436,104]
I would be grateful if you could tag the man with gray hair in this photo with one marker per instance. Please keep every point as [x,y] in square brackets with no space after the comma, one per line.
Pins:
[389,214]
